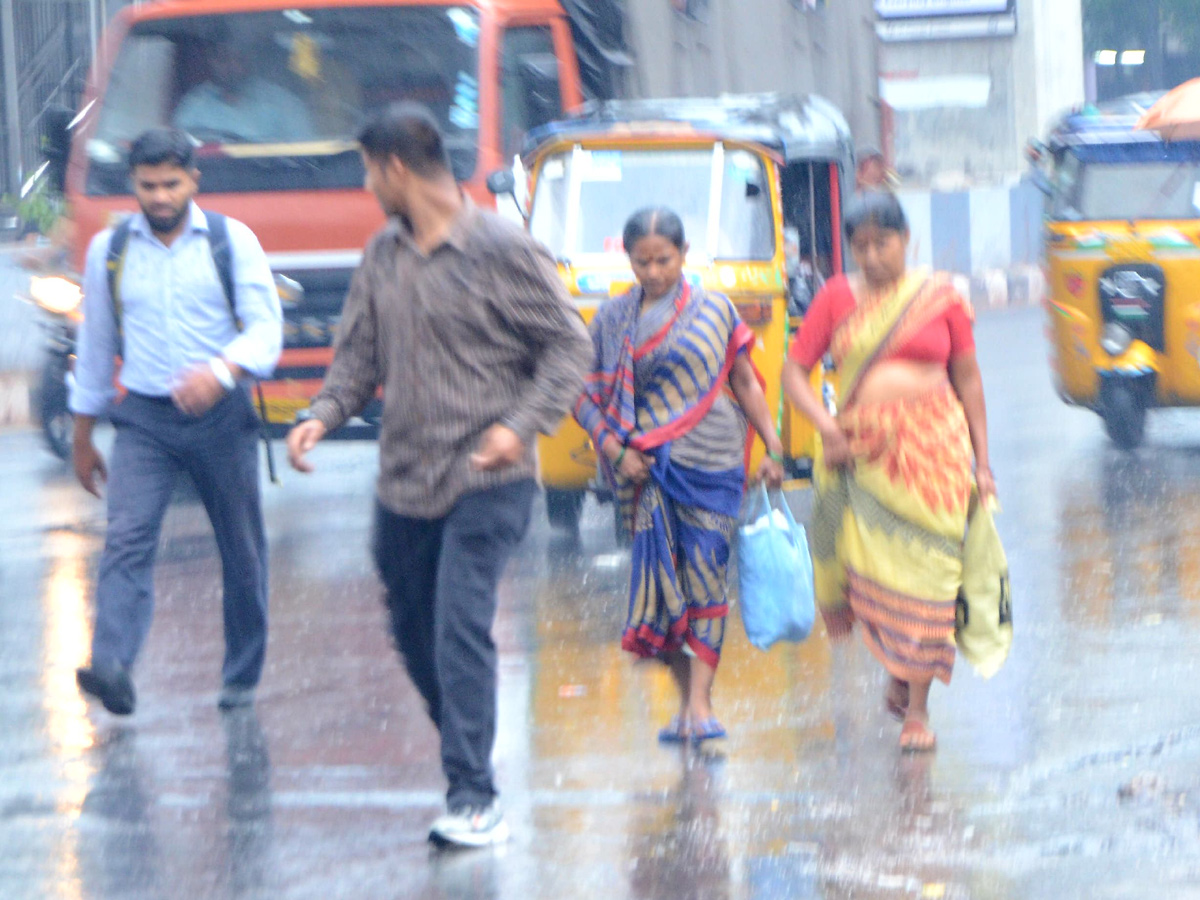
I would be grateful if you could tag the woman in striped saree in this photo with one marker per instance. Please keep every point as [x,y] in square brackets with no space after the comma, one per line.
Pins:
[673,443]
[893,487]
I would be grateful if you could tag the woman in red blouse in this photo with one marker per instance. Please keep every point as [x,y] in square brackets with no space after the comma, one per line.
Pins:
[893,478]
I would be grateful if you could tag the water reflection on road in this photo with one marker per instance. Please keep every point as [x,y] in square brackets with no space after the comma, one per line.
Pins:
[1067,775]
[1133,547]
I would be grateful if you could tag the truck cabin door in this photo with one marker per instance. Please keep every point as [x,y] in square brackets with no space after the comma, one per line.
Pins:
[532,79]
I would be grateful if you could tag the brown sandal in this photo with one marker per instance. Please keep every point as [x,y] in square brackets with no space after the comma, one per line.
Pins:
[915,737]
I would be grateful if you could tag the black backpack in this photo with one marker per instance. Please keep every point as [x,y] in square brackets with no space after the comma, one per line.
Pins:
[222,254]
[218,242]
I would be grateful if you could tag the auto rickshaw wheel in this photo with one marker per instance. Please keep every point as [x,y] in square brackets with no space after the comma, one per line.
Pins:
[1124,412]
[563,508]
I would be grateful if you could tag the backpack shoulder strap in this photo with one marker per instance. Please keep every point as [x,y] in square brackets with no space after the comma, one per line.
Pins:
[114,262]
[222,254]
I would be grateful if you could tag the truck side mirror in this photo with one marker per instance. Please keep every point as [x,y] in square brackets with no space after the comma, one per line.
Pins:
[56,144]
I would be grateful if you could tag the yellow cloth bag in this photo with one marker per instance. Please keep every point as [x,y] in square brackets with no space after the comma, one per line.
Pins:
[983,621]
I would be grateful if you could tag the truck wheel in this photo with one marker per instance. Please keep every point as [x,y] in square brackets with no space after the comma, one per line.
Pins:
[1124,414]
[58,425]
[563,508]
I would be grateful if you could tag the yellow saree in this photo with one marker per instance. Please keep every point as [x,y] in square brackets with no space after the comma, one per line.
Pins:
[887,535]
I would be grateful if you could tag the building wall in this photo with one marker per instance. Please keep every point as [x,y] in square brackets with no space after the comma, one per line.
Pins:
[967,108]
[989,237]
[739,46]
[1055,44]
[953,110]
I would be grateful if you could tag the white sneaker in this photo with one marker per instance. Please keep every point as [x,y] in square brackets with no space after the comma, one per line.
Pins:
[471,826]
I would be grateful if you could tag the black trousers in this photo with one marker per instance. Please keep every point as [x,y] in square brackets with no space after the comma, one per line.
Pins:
[219,452]
[441,577]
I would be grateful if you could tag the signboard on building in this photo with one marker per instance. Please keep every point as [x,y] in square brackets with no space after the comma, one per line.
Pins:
[918,9]
[947,28]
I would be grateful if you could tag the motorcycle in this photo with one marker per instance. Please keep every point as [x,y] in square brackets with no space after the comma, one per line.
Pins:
[60,300]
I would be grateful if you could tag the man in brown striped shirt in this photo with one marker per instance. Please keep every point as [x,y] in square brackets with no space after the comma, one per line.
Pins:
[462,318]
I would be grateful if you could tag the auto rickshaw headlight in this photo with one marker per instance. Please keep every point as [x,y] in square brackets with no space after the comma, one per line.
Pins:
[1116,339]
[56,294]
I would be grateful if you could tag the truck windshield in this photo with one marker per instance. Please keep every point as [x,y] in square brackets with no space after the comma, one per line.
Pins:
[584,197]
[1161,189]
[274,98]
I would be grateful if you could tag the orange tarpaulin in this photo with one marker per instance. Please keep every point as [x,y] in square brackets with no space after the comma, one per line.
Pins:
[1176,117]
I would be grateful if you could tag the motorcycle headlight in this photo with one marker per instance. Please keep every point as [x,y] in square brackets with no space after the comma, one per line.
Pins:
[1115,339]
[56,294]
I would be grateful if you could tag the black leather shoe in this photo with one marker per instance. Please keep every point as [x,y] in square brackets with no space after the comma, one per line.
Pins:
[111,686]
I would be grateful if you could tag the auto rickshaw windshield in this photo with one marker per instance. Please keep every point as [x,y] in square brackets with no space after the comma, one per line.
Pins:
[584,197]
[1141,181]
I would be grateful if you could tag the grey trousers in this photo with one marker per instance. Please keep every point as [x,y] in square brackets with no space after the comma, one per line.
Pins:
[441,577]
[155,443]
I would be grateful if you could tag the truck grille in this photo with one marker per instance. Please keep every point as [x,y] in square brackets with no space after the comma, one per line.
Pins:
[313,322]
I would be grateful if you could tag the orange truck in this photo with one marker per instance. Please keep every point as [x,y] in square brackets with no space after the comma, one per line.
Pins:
[286,162]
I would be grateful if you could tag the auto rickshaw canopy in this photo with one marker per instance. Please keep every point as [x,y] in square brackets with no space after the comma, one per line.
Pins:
[795,127]
[1112,122]
[1115,132]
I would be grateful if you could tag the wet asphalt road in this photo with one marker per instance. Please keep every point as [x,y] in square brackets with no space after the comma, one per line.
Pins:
[1071,774]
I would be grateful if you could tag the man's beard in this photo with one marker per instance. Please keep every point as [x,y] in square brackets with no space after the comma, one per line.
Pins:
[165,225]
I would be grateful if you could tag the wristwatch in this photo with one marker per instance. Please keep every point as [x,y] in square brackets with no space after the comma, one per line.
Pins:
[224,376]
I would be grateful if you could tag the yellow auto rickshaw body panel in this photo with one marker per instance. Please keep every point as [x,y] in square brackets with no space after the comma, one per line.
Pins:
[1078,256]
[757,289]
[789,135]
[568,459]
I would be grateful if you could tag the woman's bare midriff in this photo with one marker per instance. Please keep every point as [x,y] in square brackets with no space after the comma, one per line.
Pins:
[899,379]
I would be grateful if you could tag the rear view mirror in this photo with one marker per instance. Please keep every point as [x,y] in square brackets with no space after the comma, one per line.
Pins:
[1038,155]
[501,183]
[1042,183]
[56,143]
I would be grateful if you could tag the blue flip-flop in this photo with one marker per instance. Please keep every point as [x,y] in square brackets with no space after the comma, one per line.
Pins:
[674,733]
[708,730]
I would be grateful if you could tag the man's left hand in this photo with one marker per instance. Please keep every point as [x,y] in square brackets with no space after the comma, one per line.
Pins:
[499,448]
[197,390]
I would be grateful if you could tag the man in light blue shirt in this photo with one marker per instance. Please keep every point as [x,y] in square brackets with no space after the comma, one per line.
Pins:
[237,106]
[186,367]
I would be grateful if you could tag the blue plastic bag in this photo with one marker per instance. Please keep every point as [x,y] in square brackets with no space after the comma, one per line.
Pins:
[775,574]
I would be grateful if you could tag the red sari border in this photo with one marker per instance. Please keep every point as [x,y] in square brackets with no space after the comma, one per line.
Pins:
[743,338]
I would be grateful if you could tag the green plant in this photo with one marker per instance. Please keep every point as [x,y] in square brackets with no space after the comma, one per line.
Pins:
[40,208]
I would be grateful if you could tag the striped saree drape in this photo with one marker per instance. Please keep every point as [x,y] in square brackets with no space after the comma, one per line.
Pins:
[646,395]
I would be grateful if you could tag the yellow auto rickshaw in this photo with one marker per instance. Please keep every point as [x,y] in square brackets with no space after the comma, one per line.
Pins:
[1123,255]
[758,181]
